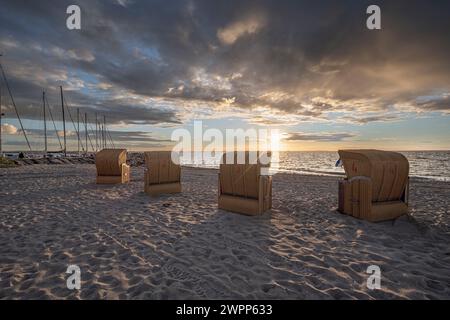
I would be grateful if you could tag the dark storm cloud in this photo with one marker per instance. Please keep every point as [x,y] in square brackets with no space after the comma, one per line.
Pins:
[435,104]
[28,97]
[277,54]
[136,136]
[326,136]
[117,136]
[377,118]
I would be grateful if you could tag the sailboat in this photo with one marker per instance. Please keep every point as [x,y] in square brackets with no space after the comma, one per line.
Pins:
[101,132]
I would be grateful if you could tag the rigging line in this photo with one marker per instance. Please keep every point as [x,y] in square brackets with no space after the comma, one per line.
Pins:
[90,127]
[90,141]
[73,123]
[54,125]
[40,114]
[92,132]
[15,107]
[110,138]
[45,123]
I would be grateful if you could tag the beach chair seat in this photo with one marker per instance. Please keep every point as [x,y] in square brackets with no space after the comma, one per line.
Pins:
[112,166]
[161,174]
[376,187]
[242,187]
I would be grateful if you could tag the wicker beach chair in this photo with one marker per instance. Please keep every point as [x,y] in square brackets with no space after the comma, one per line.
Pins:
[377,184]
[111,166]
[162,175]
[242,187]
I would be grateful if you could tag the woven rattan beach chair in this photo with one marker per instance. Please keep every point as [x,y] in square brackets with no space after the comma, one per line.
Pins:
[112,166]
[376,186]
[162,175]
[242,187]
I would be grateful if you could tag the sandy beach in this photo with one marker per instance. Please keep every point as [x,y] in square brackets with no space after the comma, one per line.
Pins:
[131,246]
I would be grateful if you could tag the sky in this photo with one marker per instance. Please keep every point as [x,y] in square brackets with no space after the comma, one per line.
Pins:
[310,69]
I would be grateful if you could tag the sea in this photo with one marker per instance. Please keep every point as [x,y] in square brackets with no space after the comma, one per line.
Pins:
[432,165]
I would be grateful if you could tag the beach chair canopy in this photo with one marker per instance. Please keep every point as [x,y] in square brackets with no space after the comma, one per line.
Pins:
[161,168]
[247,157]
[109,161]
[240,173]
[388,171]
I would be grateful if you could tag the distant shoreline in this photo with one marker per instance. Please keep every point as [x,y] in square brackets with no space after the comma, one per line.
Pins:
[90,160]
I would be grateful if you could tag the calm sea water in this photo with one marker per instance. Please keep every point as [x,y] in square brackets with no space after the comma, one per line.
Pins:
[433,165]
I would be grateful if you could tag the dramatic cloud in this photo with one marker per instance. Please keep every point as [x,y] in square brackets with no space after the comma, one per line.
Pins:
[434,103]
[373,118]
[237,29]
[325,136]
[9,129]
[164,63]
[68,133]
[137,136]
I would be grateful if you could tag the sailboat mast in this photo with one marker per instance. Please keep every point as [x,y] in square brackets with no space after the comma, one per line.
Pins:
[104,130]
[86,131]
[78,128]
[96,132]
[100,135]
[14,104]
[45,122]
[64,121]
[1,115]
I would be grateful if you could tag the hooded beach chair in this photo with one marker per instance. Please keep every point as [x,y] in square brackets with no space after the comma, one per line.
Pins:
[376,187]
[112,166]
[161,175]
[242,187]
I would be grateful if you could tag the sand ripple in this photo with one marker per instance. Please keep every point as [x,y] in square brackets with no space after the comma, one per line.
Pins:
[130,246]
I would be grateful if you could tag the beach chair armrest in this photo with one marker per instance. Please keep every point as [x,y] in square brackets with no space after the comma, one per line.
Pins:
[361,196]
[219,186]
[405,196]
[125,172]
[145,179]
[265,192]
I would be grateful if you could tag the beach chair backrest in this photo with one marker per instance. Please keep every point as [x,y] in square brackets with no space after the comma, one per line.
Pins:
[240,177]
[161,168]
[109,161]
[388,171]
